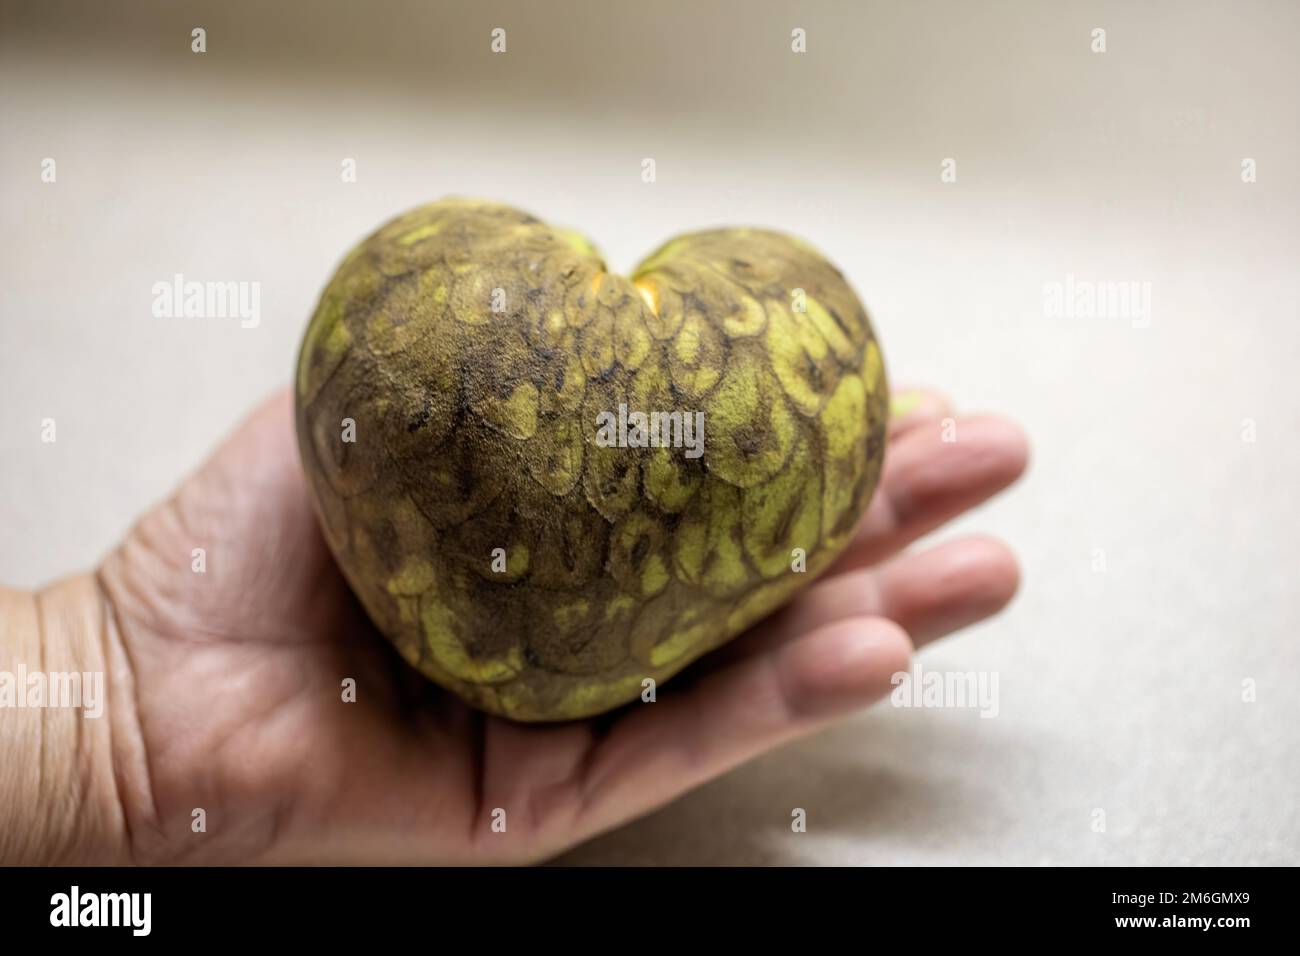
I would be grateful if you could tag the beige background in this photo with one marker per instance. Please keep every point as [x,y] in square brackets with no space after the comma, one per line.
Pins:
[1119,690]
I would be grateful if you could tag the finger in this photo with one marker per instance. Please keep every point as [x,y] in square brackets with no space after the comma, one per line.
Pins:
[929,594]
[661,750]
[928,480]
[910,407]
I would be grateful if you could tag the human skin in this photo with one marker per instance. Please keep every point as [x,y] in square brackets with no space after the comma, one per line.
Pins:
[224,688]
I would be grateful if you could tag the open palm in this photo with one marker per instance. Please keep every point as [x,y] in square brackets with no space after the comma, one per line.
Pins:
[226,686]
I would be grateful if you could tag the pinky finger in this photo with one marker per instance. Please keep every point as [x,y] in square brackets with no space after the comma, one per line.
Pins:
[912,407]
[734,714]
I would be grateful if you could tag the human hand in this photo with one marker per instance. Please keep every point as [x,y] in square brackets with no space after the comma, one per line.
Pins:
[224,687]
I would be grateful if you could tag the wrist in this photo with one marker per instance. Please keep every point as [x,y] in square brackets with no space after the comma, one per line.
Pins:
[59,791]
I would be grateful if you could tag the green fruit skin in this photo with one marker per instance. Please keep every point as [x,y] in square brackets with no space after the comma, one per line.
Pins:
[509,556]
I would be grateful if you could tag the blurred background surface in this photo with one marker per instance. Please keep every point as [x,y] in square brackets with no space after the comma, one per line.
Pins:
[1121,690]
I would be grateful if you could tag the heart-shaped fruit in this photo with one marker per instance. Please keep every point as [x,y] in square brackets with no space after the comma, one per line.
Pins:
[550,485]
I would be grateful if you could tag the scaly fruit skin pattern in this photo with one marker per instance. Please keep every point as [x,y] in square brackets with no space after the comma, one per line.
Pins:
[449,391]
